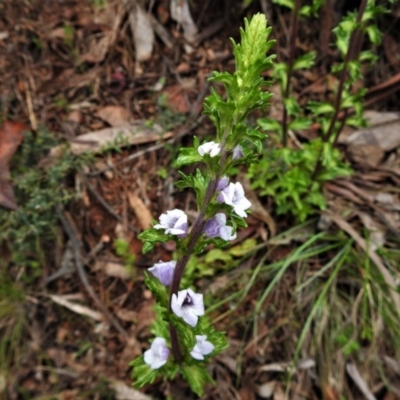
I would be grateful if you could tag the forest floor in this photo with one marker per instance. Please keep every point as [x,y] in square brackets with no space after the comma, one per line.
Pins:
[69,74]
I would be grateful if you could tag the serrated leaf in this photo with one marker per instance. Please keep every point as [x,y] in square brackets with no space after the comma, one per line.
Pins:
[197,377]
[292,106]
[374,34]
[299,124]
[269,124]
[154,235]
[217,255]
[148,246]
[255,134]
[142,374]
[368,55]
[185,332]
[285,3]
[322,107]
[259,147]
[305,61]
[187,155]
[243,248]
[150,237]
[157,288]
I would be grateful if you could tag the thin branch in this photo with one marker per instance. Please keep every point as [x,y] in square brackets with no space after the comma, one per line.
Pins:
[352,53]
[107,206]
[292,54]
[182,132]
[76,249]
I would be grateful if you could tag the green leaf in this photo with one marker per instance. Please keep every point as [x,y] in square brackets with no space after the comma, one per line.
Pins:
[300,123]
[153,235]
[185,332]
[368,56]
[142,374]
[280,73]
[347,100]
[217,255]
[374,34]
[197,182]
[197,377]
[243,248]
[285,3]
[312,9]
[150,237]
[292,106]
[269,124]
[148,246]
[322,107]
[305,61]
[187,155]
[157,288]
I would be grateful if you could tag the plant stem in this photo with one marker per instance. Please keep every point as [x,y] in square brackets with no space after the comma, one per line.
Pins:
[352,54]
[292,53]
[194,236]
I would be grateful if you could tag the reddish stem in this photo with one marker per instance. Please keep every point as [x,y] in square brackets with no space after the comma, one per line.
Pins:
[292,54]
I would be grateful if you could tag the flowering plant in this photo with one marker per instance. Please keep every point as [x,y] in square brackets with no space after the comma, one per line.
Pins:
[184,338]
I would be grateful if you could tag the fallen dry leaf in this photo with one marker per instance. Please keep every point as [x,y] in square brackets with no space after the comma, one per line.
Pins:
[112,269]
[266,390]
[180,12]
[114,115]
[246,393]
[176,98]
[136,133]
[142,212]
[143,33]
[126,315]
[125,392]
[10,138]
[355,375]
[368,146]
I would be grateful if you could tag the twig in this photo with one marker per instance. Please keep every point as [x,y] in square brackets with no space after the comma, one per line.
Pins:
[210,30]
[66,268]
[292,53]
[82,274]
[352,54]
[29,103]
[106,205]
[196,106]
[182,132]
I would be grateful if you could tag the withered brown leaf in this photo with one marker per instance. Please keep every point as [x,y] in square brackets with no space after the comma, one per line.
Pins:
[10,138]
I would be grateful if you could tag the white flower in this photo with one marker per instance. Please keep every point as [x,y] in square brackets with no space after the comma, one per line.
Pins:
[233,195]
[188,305]
[202,347]
[174,222]
[216,227]
[211,148]
[158,353]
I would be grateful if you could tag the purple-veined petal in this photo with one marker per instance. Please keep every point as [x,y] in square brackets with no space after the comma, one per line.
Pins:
[174,222]
[158,353]
[237,152]
[188,305]
[164,271]
[202,347]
